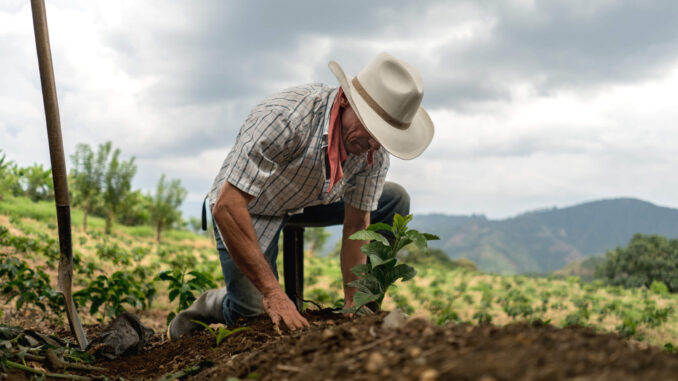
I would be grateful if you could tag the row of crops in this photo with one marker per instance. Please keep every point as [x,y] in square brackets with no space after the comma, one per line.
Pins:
[121,271]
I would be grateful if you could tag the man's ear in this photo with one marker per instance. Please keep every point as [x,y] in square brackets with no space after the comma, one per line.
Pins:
[343,101]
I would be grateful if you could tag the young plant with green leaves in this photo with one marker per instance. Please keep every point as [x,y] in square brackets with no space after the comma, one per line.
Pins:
[222,332]
[184,288]
[122,287]
[382,269]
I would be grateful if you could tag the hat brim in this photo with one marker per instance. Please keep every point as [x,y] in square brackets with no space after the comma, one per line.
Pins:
[406,143]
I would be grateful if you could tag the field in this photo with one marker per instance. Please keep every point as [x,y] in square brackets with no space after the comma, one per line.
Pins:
[457,316]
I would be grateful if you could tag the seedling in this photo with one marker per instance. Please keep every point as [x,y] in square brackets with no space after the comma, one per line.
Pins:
[184,288]
[382,269]
[222,332]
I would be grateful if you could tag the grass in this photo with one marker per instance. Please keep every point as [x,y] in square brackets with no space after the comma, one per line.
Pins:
[19,207]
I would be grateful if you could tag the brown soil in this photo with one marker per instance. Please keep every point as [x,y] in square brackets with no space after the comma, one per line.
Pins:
[340,348]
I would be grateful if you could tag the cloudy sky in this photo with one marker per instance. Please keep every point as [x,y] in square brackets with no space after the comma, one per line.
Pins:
[536,103]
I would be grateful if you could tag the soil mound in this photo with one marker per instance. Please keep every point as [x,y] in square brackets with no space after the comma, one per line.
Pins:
[340,348]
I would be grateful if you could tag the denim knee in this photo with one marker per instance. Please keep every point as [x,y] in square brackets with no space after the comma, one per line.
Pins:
[394,199]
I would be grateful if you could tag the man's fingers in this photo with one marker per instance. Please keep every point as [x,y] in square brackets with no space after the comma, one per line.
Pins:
[296,320]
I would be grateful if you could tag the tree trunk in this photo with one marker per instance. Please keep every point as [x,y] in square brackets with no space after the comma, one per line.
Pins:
[84,219]
[109,222]
[158,227]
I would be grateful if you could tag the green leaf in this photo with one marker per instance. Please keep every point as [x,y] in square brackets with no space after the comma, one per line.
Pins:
[171,316]
[361,298]
[224,332]
[173,294]
[380,226]
[206,326]
[165,275]
[368,285]
[367,235]
[406,272]
[376,260]
[400,223]
[418,239]
[404,241]
[361,270]
[430,237]
[377,249]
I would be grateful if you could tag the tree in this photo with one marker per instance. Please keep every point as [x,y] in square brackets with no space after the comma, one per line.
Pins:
[646,259]
[135,208]
[87,177]
[315,239]
[165,208]
[117,183]
[9,179]
[36,183]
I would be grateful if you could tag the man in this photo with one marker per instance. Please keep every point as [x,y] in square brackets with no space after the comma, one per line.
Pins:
[311,156]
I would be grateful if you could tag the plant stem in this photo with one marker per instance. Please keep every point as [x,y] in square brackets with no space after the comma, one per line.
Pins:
[16,365]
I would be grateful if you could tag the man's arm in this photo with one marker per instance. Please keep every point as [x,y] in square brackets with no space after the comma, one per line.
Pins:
[235,224]
[354,220]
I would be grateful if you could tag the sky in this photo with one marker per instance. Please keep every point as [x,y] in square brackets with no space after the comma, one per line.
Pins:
[536,104]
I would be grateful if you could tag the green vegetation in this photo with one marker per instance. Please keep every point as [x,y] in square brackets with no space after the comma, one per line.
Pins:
[222,332]
[184,288]
[165,207]
[130,269]
[648,261]
[33,182]
[120,271]
[382,268]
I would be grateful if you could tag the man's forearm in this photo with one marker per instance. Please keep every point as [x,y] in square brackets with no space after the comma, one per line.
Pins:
[351,256]
[235,225]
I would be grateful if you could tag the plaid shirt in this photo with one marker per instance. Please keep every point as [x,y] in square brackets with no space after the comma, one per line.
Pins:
[279,158]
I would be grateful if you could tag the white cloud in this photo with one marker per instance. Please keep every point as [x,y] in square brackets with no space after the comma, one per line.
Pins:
[536,104]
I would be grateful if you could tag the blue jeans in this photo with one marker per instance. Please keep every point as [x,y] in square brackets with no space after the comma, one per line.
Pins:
[243,299]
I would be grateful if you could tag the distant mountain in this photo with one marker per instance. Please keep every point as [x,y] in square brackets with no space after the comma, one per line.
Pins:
[547,240]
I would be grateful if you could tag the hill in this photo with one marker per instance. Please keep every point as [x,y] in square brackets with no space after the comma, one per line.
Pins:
[546,240]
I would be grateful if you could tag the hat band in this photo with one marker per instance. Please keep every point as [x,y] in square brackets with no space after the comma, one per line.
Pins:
[376,108]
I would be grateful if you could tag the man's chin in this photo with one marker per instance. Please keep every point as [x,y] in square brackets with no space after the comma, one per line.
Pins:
[356,151]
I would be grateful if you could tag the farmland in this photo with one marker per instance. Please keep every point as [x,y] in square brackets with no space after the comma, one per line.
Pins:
[129,270]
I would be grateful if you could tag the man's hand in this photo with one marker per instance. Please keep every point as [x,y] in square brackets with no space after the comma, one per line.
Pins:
[280,308]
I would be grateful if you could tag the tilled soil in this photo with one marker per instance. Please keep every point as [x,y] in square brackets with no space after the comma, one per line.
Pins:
[340,348]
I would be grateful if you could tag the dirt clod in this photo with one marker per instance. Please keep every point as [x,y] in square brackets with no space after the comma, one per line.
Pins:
[428,375]
[375,362]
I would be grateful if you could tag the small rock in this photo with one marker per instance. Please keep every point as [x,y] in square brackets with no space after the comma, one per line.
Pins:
[417,323]
[394,320]
[328,334]
[428,332]
[415,352]
[375,362]
[428,375]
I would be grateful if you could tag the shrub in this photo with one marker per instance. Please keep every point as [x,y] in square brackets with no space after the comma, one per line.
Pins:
[647,258]
[122,287]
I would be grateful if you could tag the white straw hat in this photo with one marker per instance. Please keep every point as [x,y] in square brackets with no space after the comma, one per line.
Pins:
[386,96]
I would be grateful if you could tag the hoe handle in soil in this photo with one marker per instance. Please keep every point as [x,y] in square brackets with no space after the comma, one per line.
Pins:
[56,152]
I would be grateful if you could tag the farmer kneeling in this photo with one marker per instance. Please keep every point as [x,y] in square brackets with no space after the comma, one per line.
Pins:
[310,156]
